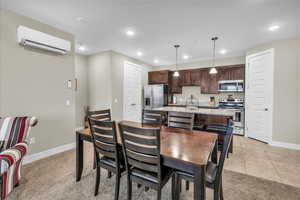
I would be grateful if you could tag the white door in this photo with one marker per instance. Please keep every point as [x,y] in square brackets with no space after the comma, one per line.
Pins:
[132,103]
[259,95]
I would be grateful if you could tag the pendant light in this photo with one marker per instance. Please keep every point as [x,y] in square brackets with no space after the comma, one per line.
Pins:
[176,73]
[213,70]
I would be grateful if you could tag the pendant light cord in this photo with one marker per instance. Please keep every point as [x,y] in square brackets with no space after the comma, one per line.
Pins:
[176,47]
[214,50]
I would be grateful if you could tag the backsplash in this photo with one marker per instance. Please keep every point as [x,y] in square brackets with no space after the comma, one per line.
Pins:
[202,98]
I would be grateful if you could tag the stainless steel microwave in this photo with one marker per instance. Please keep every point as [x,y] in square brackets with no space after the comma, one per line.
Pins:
[231,86]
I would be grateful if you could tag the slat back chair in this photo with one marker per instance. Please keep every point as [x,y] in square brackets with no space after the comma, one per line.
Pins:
[152,117]
[214,171]
[105,143]
[102,115]
[181,120]
[141,148]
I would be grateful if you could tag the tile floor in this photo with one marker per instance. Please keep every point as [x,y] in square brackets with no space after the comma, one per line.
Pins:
[258,159]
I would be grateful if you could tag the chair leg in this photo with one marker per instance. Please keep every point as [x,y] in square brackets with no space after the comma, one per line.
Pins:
[139,185]
[129,188]
[94,164]
[98,172]
[117,187]
[159,194]
[109,174]
[187,185]
[216,193]
[221,192]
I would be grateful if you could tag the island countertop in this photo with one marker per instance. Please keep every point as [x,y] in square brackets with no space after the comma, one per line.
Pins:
[204,111]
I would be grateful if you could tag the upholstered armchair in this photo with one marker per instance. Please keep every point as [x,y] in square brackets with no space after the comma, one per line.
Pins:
[14,132]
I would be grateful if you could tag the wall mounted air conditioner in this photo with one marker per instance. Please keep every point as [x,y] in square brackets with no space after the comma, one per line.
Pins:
[37,39]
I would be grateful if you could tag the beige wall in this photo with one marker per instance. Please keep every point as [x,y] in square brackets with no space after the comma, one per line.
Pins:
[105,81]
[286,120]
[81,74]
[204,63]
[99,80]
[34,82]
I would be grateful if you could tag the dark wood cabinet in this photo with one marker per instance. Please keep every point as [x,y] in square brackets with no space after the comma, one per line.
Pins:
[185,77]
[196,77]
[175,87]
[235,72]
[209,83]
[159,77]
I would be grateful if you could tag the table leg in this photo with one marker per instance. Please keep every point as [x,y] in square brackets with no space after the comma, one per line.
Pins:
[79,157]
[199,187]
[214,156]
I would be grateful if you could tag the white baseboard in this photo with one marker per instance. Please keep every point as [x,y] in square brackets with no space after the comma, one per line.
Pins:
[37,156]
[285,145]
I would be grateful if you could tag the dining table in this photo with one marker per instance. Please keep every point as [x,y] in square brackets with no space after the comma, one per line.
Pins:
[184,150]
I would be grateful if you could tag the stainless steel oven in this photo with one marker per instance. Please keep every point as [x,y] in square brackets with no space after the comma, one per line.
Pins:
[231,86]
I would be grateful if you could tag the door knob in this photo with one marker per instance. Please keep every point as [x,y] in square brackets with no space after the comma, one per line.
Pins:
[266,109]
[133,104]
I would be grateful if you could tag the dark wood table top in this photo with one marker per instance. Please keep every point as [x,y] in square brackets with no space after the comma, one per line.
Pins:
[189,146]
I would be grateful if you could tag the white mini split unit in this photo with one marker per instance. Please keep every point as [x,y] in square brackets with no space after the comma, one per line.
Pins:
[36,39]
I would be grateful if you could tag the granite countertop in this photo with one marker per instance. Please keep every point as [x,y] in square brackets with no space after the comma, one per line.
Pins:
[205,111]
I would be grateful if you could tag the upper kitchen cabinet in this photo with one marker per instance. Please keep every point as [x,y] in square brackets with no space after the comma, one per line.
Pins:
[175,87]
[190,77]
[185,77]
[159,77]
[235,72]
[196,77]
[209,82]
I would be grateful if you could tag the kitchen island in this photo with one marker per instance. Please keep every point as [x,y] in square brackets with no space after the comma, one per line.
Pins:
[201,111]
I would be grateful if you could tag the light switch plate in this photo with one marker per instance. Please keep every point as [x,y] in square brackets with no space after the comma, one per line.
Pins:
[69,84]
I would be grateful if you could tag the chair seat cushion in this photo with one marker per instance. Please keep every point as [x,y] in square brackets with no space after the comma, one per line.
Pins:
[151,176]
[210,176]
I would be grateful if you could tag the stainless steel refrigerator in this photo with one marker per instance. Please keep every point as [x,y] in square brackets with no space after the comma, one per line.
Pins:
[155,96]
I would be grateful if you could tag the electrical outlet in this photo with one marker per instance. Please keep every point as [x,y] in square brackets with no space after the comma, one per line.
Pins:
[32,140]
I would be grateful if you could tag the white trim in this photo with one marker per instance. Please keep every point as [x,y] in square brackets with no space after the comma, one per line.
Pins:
[286,145]
[37,156]
[271,79]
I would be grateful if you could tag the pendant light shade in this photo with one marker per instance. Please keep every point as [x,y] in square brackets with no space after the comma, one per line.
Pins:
[176,73]
[213,70]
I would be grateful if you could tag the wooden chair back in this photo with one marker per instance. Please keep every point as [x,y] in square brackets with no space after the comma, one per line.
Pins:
[152,117]
[141,148]
[227,140]
[181,120]
[104,138]
[102,115]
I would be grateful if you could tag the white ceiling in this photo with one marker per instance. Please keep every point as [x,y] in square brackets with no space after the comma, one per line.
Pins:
[159,24]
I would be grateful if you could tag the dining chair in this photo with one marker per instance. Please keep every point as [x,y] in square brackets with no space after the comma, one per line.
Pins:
[181,120]
[221,131]
[102,115]
[214,171]
[141,148]
[152,117]
[107,152]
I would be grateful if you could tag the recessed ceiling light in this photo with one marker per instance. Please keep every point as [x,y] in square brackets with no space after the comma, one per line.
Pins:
[185,57]
[130,33]
[156,61]
[81,47]
[223,51]
[139,53]
[274,28]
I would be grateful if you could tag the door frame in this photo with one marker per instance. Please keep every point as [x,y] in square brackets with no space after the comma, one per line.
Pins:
[271,80]
[139,67]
